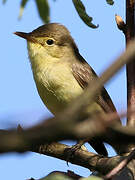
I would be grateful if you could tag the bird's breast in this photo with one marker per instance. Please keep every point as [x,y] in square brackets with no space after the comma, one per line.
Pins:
[57,86]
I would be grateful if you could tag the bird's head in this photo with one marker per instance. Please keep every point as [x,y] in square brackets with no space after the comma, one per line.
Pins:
[50,40]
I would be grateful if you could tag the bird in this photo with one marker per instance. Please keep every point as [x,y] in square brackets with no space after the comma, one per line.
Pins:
[61,73]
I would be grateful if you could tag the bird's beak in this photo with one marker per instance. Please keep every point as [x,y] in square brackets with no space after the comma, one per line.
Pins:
[26,36]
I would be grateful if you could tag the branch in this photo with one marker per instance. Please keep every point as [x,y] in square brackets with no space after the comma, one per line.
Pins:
[121,165]
[130,68]
[23,141]
[92,161]
[105,129]
[49,131]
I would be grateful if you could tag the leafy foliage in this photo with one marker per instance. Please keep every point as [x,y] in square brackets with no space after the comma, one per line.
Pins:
[65,176]
[80,8]
[43,10]
[110,2]
[42,7]
[23,4]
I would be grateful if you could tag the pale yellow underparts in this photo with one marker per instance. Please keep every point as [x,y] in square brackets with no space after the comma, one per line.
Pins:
[54,79]
[53,75]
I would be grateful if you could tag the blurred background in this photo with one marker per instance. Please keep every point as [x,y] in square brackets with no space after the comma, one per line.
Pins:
[19,100]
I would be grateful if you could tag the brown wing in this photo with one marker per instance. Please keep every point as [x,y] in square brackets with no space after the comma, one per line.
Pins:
[83,73]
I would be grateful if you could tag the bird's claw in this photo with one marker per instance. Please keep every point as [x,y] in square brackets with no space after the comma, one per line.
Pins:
[71,151]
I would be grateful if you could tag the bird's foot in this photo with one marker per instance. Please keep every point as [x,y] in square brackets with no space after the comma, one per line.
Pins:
[70,152]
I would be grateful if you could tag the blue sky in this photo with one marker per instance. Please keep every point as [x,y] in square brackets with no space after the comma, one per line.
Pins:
[19,100]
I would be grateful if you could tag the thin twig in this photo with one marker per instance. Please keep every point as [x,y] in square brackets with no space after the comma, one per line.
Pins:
[121,165]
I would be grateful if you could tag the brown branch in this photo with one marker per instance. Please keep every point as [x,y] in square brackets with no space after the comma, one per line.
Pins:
[92,161]
[23,141]
[83,158]
[130,68]
[104,128]
[49,131]
[121,165]
[86,159]
[129,20]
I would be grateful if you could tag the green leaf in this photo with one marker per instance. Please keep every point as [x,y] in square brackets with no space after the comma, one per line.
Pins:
[110,2]
[91,178]
[80,8]
[22,6]
[43,10]
[57,176]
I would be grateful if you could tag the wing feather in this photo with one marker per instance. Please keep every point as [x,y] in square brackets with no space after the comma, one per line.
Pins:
[83,73]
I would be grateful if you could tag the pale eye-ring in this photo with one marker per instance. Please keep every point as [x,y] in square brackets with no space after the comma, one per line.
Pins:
[50,42]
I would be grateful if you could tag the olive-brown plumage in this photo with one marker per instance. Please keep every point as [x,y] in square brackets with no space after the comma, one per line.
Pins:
[61,73]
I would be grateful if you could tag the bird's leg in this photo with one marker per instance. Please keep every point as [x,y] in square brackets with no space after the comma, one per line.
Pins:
[80,144]
[70,151]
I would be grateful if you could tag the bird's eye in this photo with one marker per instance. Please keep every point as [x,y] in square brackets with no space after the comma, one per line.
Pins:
[49,41]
